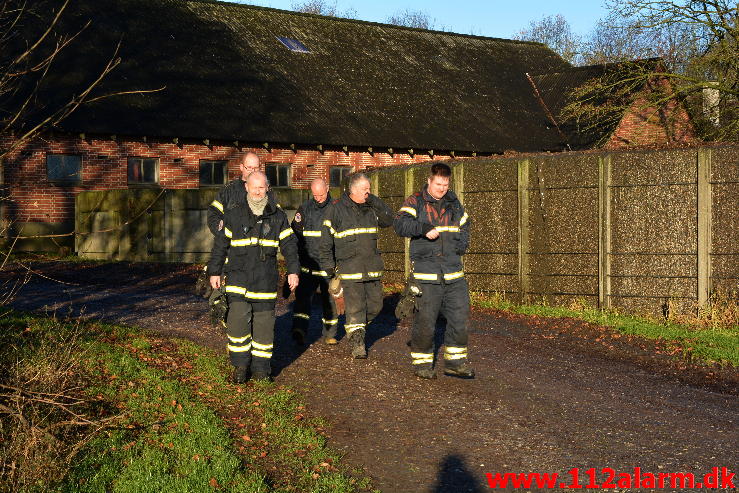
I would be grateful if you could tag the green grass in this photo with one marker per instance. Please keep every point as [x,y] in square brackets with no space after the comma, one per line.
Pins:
[712,345]
[176,424]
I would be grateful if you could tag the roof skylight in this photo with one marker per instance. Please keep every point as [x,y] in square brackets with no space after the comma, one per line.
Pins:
[293,45]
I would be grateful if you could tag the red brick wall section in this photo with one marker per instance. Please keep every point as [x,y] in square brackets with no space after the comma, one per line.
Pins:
[104,166]
[645,125]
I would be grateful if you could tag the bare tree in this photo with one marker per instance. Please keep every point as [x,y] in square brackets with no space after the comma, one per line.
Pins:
[555,32]
[33,38]
[411,18]
[323,7]
[699,41]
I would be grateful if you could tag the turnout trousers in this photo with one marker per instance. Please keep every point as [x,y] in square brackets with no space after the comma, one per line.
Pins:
[304,299]
[363,302]
[453,301]
[250,328]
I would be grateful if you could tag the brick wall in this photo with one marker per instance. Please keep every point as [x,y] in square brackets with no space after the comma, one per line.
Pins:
[104,166]
[645,125]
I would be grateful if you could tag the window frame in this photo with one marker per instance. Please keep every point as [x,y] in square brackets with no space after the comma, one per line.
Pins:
[62,181]
[278,166]
[143,183]
[212,162]
[350,170]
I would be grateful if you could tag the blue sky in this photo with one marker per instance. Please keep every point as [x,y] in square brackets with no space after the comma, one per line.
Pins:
[496,18]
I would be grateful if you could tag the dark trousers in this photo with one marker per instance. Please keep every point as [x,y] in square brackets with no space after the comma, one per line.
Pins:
[304,299]
[363,302]
[251,335]
[452,301]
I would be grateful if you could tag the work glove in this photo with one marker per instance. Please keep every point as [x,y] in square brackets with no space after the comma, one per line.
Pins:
[408,303]
[218,302]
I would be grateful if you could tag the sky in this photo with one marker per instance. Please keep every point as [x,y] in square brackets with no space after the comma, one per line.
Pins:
[494,18]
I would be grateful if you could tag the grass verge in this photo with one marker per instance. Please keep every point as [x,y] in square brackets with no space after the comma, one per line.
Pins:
[709,345]
[153,415]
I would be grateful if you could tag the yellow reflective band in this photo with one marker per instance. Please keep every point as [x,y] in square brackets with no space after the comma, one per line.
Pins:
[327,222]
[235,290]
[455,356]
[315,234]
[217,205]
[263,347]
[228,233]
[250,294]
[239,340]
[464,219]
[409,210]
[320,273]
[254,241]
[226,260]
[422,355]
[351,328]
[355,231]
[425,277]
[301,315]
[455,350]
[453,275]
[260,296]
[305,269]
[350,276]
[447,229]
[330,322]
[285,233]
[239,349]
[374,274]
[261,354]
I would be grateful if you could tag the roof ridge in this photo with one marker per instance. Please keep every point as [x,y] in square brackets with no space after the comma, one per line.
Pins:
[359,21]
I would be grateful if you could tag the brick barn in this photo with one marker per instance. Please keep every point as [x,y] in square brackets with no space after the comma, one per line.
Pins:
[315,96]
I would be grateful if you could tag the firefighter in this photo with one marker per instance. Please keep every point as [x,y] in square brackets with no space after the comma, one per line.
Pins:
[307,226]
[245,250]
[438,227]
[234,192]
[348,250]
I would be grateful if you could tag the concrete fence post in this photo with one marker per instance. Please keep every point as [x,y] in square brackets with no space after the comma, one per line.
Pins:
[604,231]
[407,190]
[523,228]
[704,225]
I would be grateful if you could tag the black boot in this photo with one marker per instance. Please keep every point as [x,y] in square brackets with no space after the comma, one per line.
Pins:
[356,341]
[240,375]
[424,371]
[462,370]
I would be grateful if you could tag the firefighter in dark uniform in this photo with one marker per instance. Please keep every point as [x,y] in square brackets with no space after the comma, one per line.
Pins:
[245,250]
[233,193]
[348,249]
[307,226]
[438,227]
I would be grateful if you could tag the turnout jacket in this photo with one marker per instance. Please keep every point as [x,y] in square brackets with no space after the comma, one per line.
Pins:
[307,225]
[349,238]
[229,196]
[246,251]
[440,259]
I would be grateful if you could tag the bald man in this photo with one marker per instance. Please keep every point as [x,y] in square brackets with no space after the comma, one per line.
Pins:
[245,250]
[307,226]
[233,193]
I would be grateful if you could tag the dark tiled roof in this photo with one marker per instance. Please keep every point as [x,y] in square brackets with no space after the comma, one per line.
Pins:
[226,76]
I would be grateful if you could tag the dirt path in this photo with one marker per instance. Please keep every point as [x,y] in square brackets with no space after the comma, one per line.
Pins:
[550,395]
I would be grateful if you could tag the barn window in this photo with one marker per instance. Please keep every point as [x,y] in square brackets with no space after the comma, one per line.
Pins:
[213,173]
[278,174]
[143,170]
[64,168]
[337,175]
[293,45]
